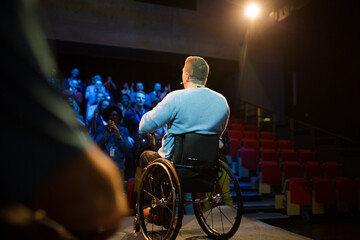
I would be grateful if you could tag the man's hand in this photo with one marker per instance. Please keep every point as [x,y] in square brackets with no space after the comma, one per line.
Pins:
[117,132]
[112,127]
[109,126]
[131,141]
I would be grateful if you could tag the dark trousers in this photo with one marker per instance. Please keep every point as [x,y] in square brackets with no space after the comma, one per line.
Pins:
[147,157]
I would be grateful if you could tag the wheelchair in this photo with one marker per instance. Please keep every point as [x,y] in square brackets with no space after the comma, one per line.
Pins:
[195,168]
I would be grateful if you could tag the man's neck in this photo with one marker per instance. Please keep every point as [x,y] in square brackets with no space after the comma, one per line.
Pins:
[193,85]
[138,108]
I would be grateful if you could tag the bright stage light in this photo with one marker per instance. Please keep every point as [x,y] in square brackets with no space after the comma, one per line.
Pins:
[252,10]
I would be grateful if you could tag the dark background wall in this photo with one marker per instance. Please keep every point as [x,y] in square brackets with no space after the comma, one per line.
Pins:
[321,45]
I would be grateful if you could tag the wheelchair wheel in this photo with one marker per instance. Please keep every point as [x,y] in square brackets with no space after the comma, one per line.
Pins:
[160,194]
[219,213]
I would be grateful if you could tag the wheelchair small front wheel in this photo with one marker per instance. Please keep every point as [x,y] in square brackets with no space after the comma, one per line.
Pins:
[219,212]
[160,206]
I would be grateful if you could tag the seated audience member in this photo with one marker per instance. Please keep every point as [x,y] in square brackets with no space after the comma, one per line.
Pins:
[92,90]
[140,88]
[131,122]
[98,119]
[57,184]
[113,138]
[111,89]
[74,75]
[91,108]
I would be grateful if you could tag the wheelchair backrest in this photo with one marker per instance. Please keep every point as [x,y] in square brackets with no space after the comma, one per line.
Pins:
[195,159]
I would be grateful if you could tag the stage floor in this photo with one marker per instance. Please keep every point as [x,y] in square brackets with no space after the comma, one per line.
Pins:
[249,230]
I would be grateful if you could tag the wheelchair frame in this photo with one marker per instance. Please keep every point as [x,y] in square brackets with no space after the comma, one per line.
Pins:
[160,189]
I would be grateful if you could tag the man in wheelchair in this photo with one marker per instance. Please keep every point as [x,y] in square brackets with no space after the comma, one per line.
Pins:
[194,109]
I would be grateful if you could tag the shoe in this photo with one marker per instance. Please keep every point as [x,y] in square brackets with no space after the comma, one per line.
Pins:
[159,216]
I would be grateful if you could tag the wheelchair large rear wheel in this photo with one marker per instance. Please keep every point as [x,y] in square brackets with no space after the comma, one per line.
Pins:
[160,193]
[219,212]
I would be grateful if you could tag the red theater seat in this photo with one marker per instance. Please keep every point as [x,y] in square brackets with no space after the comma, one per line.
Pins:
[324,190]
[251,135]
[268,144]
[269,155]
[235,145]
[249,158]
[346,190]
[288,156]
[300,191]
[292,170]
[236,134]
[285,144]
[237,127]
[312,169]
[271,173]
[332,170]
[251,143]
[251,127]
[267,135]
[306,155]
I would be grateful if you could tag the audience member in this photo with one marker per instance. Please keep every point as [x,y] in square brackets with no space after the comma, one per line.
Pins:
[92,90]
[72,103]
[54,81]
[131,122]
[113,138]
[126,90]
[73,92]
[57,177]
[124,104]
[90,110]
[74,75]
[156,92]
[98,119]
[140,88]
[111,89]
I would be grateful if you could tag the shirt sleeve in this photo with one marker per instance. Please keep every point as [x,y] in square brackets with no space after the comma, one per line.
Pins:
[162,114]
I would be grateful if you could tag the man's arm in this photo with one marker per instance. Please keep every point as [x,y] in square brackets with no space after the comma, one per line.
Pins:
[162,114]
[87,196]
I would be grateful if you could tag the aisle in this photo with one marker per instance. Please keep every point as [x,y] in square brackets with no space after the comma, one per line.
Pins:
[249,230]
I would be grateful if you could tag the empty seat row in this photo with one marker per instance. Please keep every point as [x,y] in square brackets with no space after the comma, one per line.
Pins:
[252,155]
[251,134]
[274,174]
[320,192]
[242,127]
[309,170]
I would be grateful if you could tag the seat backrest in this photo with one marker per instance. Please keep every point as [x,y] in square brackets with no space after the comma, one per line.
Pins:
[268,144]
[235,145]
[236,134]
[196,161]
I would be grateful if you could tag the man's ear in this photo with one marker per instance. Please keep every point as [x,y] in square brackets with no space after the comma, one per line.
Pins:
[187,77]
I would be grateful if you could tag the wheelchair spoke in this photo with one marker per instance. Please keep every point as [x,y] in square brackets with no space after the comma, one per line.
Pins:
[223,214]
[151,195]
[222,223]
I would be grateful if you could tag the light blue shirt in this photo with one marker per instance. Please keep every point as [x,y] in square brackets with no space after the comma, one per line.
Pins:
[199,110]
